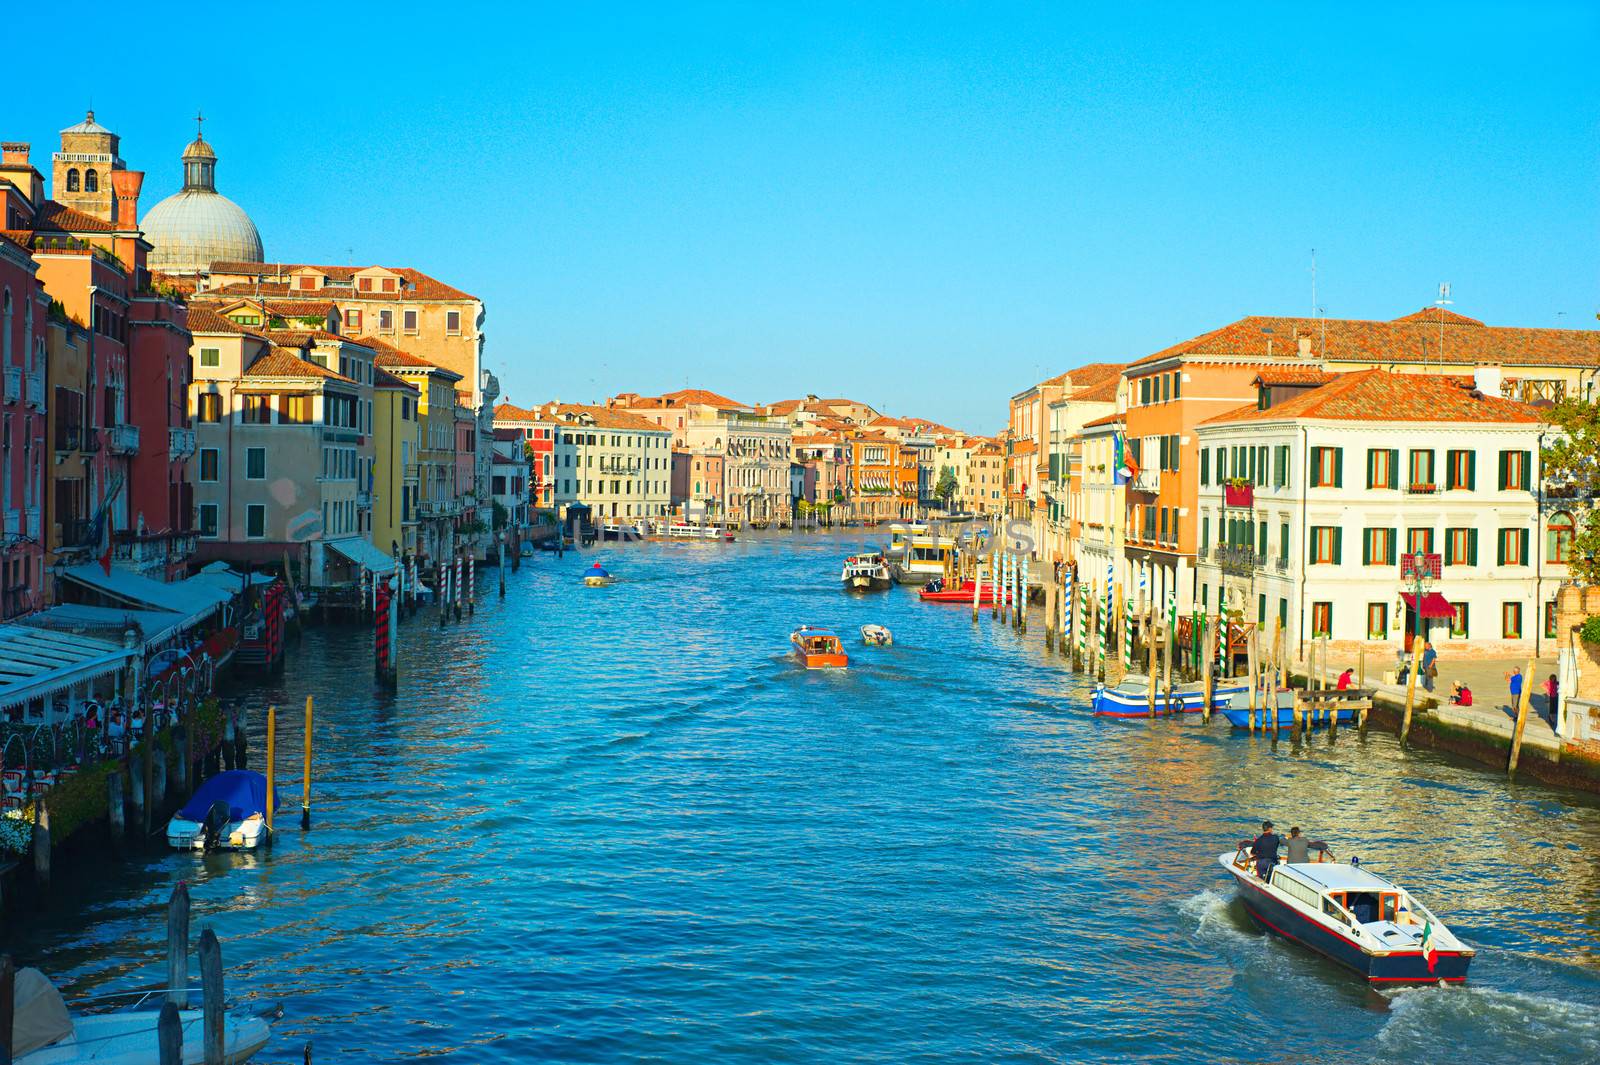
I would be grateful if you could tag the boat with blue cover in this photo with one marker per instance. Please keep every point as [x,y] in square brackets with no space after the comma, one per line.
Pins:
[227,812]
[1131,697]
[1355,917]
[1318,708]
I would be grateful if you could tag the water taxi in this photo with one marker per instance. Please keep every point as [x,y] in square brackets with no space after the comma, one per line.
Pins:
[917,555]
[227,812]
[818,648]
[935,591]
[876,636]
[681,530]
[596,576]
[1353,916]
[1131,698]
[866,572]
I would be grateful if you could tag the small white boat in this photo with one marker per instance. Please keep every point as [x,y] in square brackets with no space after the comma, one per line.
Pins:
[876,636]
[228,812]
[866,572]
[1353,916]
[46,1032]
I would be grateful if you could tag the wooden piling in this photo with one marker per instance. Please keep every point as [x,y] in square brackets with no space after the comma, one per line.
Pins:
[1298,710]
[41,845]
[1167,641]
[1049,616]
[1522,719]
[1150,661]
[1411,690]
[1251,651]
[1333,720]
[1361,669]
[1210,671]
[158,788]
[8,992]
[178,947]
[115,814]
[305,778]
[502,563]
[1092,653]
[241,740]
[211,991]
[272,762]
[1272,696]
[184,741]
[228,748]
[169,1036]
[977,585]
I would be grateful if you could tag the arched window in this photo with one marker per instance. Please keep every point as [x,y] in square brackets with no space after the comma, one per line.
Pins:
[1558,537]
[91,181]
[72,180]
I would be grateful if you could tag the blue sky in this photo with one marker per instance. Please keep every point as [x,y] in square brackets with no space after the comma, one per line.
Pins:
[926,207]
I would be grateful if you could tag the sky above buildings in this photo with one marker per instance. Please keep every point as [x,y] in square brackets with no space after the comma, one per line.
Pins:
[925,207]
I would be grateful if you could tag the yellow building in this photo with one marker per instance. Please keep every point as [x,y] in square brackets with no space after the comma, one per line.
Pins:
[438,505]
[396,485]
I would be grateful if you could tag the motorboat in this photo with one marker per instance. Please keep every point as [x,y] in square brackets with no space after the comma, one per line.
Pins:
[596,576]
[917,554]
[1350,914]
[818,648]
[227,812]
[1131,698]
[866,572]
[1238,710]
[936,591]
[680,530]
[46,1032]
[876,636]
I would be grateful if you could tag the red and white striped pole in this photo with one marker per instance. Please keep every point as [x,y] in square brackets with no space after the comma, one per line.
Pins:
[456,584]
[382,635]
[471,587]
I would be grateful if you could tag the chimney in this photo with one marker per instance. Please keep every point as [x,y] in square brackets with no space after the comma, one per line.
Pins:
[1305,346]
[1486,379]
[14,153]
[126,184]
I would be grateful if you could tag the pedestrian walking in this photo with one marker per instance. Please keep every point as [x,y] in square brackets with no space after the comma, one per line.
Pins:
[1514,684]
[1430,665]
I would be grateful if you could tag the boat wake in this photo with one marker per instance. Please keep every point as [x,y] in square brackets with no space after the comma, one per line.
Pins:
[1538,1027]
[1213,915]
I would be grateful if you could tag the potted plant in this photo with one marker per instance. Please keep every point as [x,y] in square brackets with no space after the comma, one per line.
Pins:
[1238,492]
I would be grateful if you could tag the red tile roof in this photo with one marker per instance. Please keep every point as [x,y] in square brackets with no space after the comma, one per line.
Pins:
[206,320]
[61,218]
[510,412]
[386,354]
[603,417]
[1381,396]
[382,378]
[1109,419]
[685,396]
[1102,391]
[421,285]
[1411,339]
[1294,375]
[284,362]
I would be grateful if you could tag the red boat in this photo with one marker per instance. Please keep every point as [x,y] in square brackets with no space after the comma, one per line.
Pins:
[936,592]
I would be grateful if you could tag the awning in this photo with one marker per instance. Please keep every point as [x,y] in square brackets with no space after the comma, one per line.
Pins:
[1434,605]
[192,600]
[37,663]
[107,622]
[362,553]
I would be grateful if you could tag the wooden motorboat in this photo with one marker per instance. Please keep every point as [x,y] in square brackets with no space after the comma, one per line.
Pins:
[818,648]
[1353,916]
[121,1029]
[596,576]
[876,636]
[228,812]
[866,572]
[1131,698]
[935,591]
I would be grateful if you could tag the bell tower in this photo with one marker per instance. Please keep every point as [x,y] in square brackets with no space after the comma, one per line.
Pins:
[80,173]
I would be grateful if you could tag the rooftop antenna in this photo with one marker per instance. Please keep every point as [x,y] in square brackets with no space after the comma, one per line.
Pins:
[1442,302]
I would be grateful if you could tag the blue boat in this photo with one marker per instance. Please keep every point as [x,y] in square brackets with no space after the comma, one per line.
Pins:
[1131,698]
[227,812]
[1238,711]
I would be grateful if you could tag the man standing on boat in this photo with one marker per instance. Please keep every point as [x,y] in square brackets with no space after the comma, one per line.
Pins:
[1300,847]
[1264,849]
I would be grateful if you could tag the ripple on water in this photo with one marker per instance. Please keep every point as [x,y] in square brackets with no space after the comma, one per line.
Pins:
[624,827]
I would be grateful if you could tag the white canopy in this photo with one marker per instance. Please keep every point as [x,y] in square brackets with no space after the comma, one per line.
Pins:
[362,553]
[37,663]
[192,600]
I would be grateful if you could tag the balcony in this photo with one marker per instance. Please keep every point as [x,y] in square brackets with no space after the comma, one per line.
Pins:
[180,443]
[73,532]
[1239,495]
[1202,552]
[1421,564]
[151,550]
[1238,560]
[122,439]
[13,384]
[1421,489]
[363,500]
[1147,481]
[36,390]
[1281,564]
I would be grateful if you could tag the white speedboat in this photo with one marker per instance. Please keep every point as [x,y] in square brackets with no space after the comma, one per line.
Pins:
[876,636]
[46,1032]
[866,572]
[228,812]
[1353,916]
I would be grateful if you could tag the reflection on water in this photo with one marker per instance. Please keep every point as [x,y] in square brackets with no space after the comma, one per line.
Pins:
[619,825]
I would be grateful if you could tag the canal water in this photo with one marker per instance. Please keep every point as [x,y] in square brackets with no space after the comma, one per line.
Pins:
[619,825]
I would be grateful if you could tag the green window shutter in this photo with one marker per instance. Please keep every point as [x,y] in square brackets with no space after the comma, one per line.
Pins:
[1394,545]
[1505,470]
[1449,470]
[1372,470]
[1205,532]
[1472,471]
[1500,548]
[1338,535]
[1261,539]
[1316,467]
[1472,547]
[1283,540]
[1522,548]
[1366,535]
[1311,545]
[1338,467]
[1205,467]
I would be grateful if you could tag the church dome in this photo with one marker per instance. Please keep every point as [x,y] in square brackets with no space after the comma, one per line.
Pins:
[192,229]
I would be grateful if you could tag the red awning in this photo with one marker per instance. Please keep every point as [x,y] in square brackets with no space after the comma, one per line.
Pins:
[1434,605]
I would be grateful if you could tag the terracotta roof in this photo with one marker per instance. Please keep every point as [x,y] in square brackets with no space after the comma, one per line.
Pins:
[700,395]
[1023,447]
[509,412]
[1410,339]
[61,218]
[1085,376]
[382,378]
[1381,396]
[603,417]
[1109,419]
[1294,375]
[300,308]
[387,354]
[285,362]
[422,286]
[1102,391]
[206,320]
[299,337]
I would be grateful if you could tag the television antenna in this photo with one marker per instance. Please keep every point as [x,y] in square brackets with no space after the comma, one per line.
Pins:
[1442,302]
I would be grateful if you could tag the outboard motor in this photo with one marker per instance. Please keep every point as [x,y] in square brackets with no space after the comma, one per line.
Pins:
[215,824]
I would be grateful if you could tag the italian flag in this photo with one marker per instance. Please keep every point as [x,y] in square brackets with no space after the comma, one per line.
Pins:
[1430,953]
